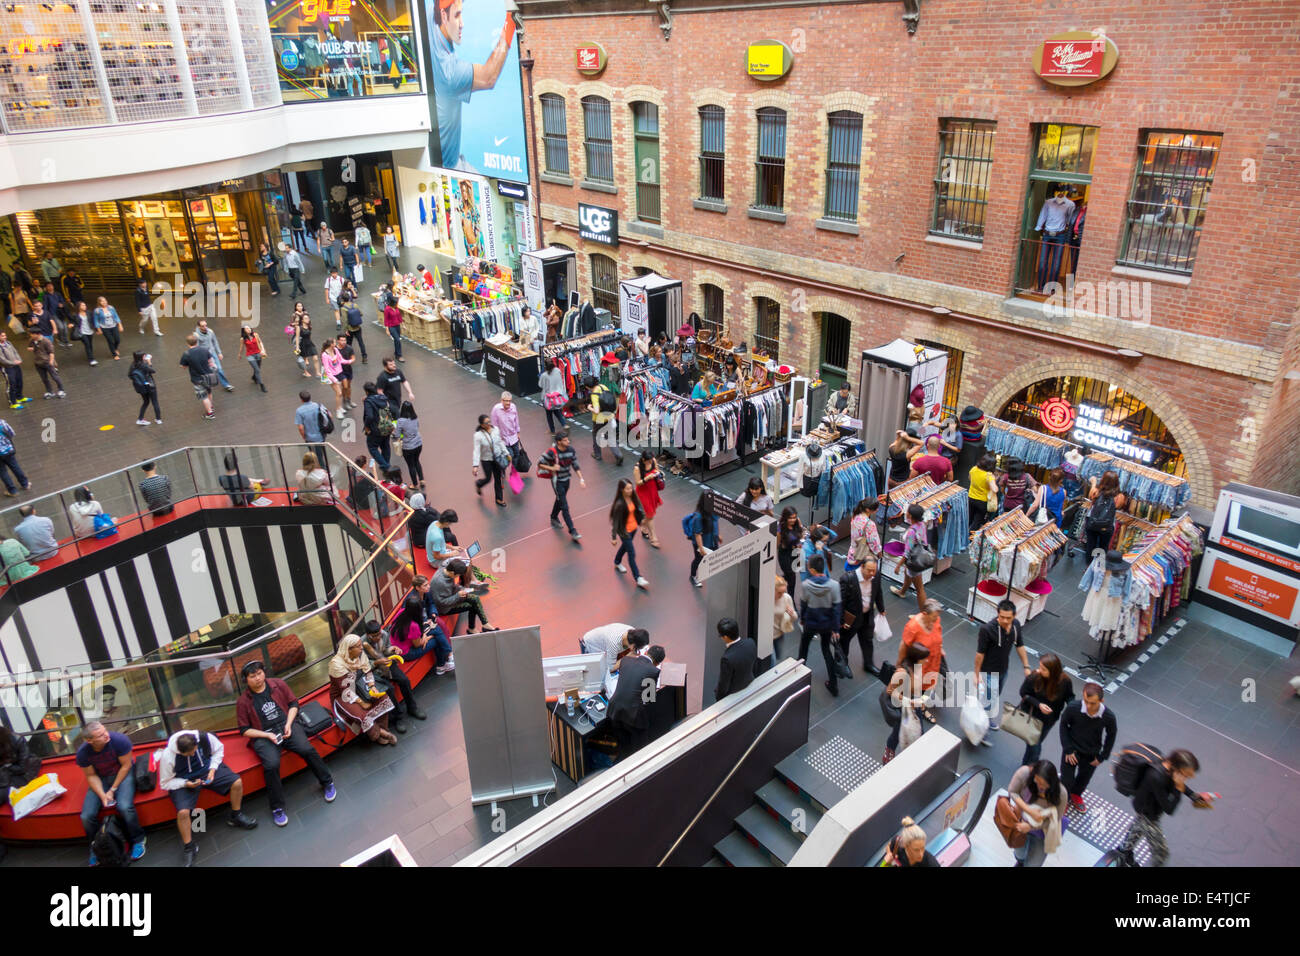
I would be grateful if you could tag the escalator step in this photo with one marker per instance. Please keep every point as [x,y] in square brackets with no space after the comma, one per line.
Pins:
[736,850]
[823,791]
[772,834]
[778,796]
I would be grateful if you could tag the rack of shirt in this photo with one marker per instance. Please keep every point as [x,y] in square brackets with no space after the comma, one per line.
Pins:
[579,320]
[502,316]
[1031,447]
[579,356]
[642,385]
[905,492]
[747,421]
[988,542]
[1139,482]
[1029,557]
[947,510]
[1124,607]
[849,481]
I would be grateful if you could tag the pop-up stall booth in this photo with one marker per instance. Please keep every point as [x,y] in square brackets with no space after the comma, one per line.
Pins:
[650,302]
[549,276]
[889,376]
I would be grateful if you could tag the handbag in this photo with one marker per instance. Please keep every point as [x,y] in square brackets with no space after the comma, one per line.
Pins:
[104,526]
[210,380]
[515,480]
[837,658]
[919,557]
[660,483]
[519,458]
[1005,818]
[1021,723]
[909,731]
[991,505]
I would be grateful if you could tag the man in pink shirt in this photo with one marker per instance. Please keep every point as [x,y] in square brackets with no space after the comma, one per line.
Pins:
[505,416]
[932,463]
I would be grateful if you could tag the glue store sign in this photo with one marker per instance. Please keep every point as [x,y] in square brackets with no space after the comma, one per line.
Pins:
[1090,428]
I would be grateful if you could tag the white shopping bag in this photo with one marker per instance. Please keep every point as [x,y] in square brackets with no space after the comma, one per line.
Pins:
[974,719]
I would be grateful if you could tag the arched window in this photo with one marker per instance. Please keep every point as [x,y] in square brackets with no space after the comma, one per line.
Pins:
[713,149]
[768,337]
[711,317]
[769,168]
[842,160]
[645,150]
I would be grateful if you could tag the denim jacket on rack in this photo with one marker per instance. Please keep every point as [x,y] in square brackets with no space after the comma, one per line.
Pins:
[1031,452]
[1118,585]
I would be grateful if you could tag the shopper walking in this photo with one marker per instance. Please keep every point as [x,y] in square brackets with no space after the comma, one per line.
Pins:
[20,306]
[1044,694]
[85,325]
[864,534]
[701,527]
[559,462]
[789,537]
[294,266]
[625,517]
[604,425]
[267,265]
[982,493]
[142,381]
[56,307]
[407,430]
[148,310]
[821,614]
[554,396]
[393,384]
[203,373]
[1036,791]
[1099,524]
[325,243]
[925,628]
[992,660]
[9,462]
[331,363]
[1158,793]
[348,258]
[12,363]
[110,326]
[393,324]
[903,699]
[489,453]
[390,248]
[361,239]
[916,533]
[377,422]
[354,324]
[303,347]
[254,351]
[208,339]
[505,417]
[1088,729]
[47,367]
[297,232]
[334,289]
[649,482]
[862,597]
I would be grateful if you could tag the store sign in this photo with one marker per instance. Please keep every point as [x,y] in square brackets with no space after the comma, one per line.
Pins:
[311,9]
[1056,414]
[769,60]
[1076,58]
[1091,429]
[590,59]
[931,375]
[289,59]
[1253,588]
[598,224]
[534,288]
[512,190]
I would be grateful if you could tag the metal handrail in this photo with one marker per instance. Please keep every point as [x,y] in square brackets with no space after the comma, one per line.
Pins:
[725,780]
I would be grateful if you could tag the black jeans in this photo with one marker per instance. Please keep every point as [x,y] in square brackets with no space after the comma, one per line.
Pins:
[295,283]
[272,281]
[470,604]
[696,557]
[355,335]
[491,472]
[14,377]
[1093,540]
[48,375]
[826,637]
[864,628]
[113,339]
[378,449]
[627,546]
[89,342]
[412,459]
[152,396]
[609,428]
[9,463]
[1075,777]
[978,513]
[268,752]
[785,561]
[561,506]
[398,678]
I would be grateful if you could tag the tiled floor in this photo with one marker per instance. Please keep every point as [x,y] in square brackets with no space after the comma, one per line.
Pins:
[1189,693]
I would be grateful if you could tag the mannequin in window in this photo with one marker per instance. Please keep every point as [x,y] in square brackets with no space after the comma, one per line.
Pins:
[1076,227]
[1054,230]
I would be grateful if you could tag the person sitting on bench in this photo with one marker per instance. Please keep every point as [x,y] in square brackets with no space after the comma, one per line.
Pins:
[449,597]
[191,762]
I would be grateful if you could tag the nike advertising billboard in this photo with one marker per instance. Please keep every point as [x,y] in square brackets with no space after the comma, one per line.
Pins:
[475,92]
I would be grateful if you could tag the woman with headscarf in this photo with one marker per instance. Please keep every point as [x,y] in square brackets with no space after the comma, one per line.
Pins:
[350,678]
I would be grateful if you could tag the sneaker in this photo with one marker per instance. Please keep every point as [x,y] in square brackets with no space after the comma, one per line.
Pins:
[643,584]
[241,820]
[340,414]
[16,405]
[835,691]
[620,569]
[446,668]
[416,712]
[555,523]
[330,792]
[159,334]
[157,421]
[210,415]
[49,395]
[137,851]
[575,535]
[886,757]
[987,740]
[280,817]
[189,853]
[141,421]
[63,394]
[230,388]
[1077,802]
[93,363]
[399,725]
[698,583]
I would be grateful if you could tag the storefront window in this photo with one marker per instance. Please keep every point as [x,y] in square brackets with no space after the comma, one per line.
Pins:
[1166,208]
[961,183]
[330,49]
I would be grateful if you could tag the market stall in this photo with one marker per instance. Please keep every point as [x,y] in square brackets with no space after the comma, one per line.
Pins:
[891,375]
[549,275]
[652,303]
[423,314]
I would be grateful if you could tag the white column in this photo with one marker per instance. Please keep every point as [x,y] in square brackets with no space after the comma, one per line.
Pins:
[101,75]
[182,58]
[237,51]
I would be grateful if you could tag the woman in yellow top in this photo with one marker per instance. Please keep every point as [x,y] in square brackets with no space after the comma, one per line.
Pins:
[706,387]
[983,487]
[625,516]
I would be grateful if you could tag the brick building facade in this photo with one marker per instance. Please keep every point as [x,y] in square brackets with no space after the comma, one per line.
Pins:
[1218,339]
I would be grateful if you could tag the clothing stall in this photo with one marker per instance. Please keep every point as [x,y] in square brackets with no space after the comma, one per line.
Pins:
[890,374]
[579,356]
[721,434]
[650,302]
[549,275]
[1012,556]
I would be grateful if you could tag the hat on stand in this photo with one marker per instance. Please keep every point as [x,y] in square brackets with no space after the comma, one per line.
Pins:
[1115,561]
[971,415]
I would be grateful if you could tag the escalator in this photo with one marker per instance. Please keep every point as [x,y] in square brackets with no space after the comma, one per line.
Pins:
[949,820]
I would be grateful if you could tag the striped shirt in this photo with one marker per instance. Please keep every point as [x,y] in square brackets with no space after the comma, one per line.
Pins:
[567,461]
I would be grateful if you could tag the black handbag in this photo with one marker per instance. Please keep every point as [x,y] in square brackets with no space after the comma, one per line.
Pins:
[314,719]
[892,713]
[521,460]
[146,779]
[837,658]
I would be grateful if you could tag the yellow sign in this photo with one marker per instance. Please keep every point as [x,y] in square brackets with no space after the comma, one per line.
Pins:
[767,60]
[311,9]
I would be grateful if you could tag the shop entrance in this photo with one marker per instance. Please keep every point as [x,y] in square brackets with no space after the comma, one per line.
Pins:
[834,357]
[1056,206]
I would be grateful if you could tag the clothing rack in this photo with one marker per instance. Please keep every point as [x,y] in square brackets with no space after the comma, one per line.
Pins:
[996,533]
[1043,535]
[577,343]
[1033,448]
[905,492]
[1138,481]
[863,467]
[950,505]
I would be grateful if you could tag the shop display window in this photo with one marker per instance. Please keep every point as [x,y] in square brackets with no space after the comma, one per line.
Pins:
[330,49]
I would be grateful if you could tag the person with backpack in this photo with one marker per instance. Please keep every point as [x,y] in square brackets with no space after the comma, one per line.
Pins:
[105,757]
[916,550]
[1099,523]
[313,422]
[378,423]
[558,464]
[1017,487]
[208,340]
[604,412]
[142,375]
[821,612]
[1156,783]
[267,264]
[354,330]
[191,762]
[9,461]
[701,527]
[1088,729]
[203,373]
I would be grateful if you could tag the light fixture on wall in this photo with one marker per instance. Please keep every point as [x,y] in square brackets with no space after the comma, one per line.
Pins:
[940,310]
[1129,353]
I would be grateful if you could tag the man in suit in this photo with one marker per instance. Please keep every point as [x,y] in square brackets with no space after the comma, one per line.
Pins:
[736,669]
[862,597]
[629,706]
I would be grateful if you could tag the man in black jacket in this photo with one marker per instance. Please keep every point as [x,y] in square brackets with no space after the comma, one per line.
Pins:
[736,669]
[854,585]
[1158,792]
[1088,730]
[629,706]
[370,408]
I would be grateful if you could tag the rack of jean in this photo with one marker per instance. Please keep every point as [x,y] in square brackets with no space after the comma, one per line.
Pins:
[1138,481]
[1033,448]
[987,542]
[948,506]
[846,483]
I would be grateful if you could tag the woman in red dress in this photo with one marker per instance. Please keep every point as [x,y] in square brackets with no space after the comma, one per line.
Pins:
[648,482]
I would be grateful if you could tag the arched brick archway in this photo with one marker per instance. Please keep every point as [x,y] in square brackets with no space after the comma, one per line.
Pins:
[1199,473]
